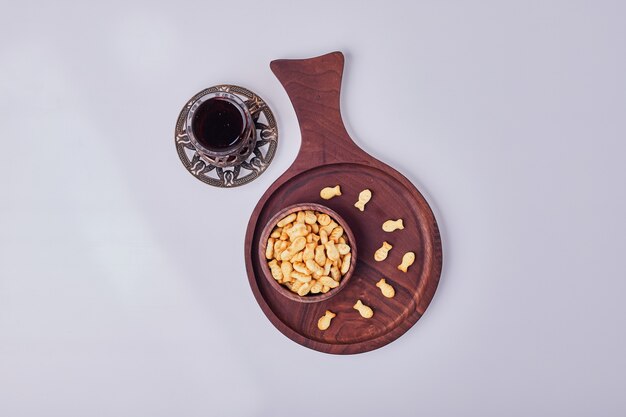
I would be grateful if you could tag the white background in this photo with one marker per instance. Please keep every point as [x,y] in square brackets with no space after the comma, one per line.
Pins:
[122,283]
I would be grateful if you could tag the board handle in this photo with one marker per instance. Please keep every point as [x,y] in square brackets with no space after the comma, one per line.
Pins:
[314,86]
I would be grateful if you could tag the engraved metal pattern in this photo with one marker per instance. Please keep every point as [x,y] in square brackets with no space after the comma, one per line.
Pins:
[204,169]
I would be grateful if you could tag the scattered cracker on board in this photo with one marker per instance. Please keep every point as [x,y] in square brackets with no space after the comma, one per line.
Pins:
[324,322]
[364,311]
[407,261]
[330,192]
[385,288]
[364,197]
[381,253]
[391,225]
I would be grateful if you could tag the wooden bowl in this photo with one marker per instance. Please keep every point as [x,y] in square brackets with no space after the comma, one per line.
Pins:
[286,292]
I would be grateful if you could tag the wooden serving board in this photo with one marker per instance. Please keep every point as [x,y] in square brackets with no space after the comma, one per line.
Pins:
[327,157]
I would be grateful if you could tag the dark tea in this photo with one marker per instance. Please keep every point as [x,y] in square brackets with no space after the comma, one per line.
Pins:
[218,124]
[220,127]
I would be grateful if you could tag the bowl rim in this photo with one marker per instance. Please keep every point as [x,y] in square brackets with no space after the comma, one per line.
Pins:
[269,226]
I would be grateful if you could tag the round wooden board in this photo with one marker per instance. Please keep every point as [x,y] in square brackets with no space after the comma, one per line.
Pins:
[328,157]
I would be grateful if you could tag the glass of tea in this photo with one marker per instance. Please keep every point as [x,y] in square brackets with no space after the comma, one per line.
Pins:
[221,128]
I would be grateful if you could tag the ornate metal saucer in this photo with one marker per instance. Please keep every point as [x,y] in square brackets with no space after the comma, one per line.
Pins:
[233,170]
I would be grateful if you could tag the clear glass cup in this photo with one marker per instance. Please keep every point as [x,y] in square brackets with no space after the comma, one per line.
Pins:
[221,128]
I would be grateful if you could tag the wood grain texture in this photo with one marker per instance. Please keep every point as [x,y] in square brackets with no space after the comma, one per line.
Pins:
[328,156]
